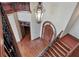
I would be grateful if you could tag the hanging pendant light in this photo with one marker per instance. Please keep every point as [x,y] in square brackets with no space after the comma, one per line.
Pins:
[39,12]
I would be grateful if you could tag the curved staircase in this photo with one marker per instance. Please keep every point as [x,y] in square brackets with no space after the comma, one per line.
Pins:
[61,47]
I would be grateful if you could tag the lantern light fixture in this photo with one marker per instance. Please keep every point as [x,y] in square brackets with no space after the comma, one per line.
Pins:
[39,12]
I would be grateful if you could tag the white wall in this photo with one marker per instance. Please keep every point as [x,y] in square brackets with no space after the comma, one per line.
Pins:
[24,16]
[15,26]
[72,20]
[75,29]
[35,27]
[56,12]
[59,13]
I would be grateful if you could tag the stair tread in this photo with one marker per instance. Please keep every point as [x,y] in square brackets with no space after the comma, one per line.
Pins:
[65,45]
[59,50]
[62,47]
[56,52]
[51,52]
[45,55]
[48,54]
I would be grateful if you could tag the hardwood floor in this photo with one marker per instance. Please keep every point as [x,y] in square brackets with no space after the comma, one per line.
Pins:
[32,48]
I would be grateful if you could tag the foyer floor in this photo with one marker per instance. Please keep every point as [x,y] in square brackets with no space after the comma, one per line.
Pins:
[30,48]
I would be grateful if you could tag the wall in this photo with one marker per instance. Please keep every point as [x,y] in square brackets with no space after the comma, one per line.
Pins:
[75,29]
[59,13]
[72,20]
[75,26]
[15,26]
[72,27]
[24,16]
[35,27]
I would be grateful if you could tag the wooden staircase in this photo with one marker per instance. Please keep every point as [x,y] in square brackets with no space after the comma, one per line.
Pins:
[58,49]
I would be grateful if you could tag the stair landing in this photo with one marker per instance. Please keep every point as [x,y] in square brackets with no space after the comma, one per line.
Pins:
[69,40]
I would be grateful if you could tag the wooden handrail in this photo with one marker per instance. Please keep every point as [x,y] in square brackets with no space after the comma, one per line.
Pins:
[59,35]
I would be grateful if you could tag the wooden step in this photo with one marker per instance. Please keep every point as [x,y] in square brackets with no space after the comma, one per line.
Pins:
[57,50]
[62,50]
[62,53]
[46,54]
[65,45]
[56,53]
[62,47]
[51,53]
